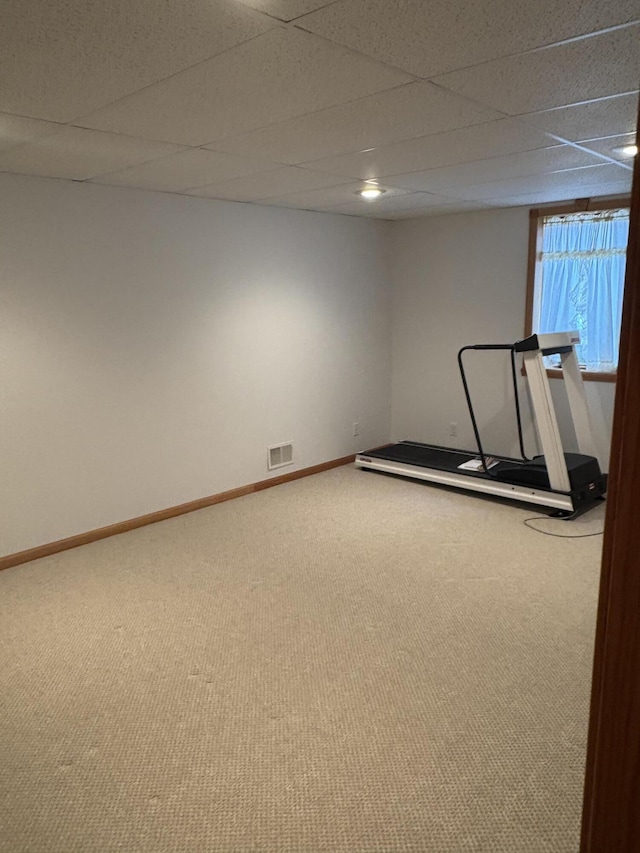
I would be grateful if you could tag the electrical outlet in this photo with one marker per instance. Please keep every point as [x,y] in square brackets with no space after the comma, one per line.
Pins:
[453,429]
[356,429]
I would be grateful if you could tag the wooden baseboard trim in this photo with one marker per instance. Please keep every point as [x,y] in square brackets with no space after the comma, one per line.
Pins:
[161,515]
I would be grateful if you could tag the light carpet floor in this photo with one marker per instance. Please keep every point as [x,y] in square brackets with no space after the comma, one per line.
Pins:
[349,662]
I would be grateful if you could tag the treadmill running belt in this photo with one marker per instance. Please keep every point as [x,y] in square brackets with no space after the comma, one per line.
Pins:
[425,456]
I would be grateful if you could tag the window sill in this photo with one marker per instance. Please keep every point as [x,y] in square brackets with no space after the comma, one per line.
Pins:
[587,375]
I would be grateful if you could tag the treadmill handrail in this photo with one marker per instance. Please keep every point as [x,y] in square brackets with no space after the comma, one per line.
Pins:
[512,349]
[468,396]
[486,346]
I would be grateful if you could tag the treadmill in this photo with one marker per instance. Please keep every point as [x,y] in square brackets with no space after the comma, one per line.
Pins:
[568,483]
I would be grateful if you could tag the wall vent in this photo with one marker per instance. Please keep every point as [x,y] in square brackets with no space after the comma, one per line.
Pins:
[280,454]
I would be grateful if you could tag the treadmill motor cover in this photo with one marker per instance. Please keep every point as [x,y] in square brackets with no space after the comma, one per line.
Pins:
[584,472]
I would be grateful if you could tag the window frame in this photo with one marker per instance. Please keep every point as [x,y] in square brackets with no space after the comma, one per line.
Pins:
[534,266]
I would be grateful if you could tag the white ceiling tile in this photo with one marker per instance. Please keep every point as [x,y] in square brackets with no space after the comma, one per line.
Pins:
[380,214]
[265,96]
[618,114]
[443,149]
[416,109]
[276,182]
[496,168]
[185,170]
[431,38]
[64,59]
[15,130]
[321,199]
[392,202]
[442,210]
[370,214]
[272,78]
[286,10]
[571,182]
[595,67]
[611,147]
[77,154]
[613,189]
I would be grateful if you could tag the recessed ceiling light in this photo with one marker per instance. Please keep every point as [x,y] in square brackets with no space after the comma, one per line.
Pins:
[627,150]
[370,193]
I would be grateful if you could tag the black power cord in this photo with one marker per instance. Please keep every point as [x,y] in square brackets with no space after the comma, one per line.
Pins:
[558,535]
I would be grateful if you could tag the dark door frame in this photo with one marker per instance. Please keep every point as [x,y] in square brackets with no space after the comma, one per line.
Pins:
[611,809]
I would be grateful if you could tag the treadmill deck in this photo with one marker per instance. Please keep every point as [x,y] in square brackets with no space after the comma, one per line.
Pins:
[440,465]
[429,456]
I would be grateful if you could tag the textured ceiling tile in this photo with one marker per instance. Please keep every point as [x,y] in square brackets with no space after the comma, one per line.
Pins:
[417,109]
[605,190]
[571,182]
[392,202]
[272,78]
[496,168]
[441,210]
[595,67]
[78,154]
[278,182]
[61,60]
[185,170]
[321,199]
[286,10]
[611,145]
[443,149]
[431,38]
[15,130]
[618,114]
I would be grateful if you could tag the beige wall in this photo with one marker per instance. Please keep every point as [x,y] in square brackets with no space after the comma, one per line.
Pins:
[153,345]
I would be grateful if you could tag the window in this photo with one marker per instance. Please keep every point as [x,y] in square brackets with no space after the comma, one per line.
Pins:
[577,260]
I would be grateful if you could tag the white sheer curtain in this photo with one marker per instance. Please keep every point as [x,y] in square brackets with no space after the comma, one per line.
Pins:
[583,264]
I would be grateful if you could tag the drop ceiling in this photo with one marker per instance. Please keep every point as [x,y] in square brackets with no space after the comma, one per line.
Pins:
[447,105]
